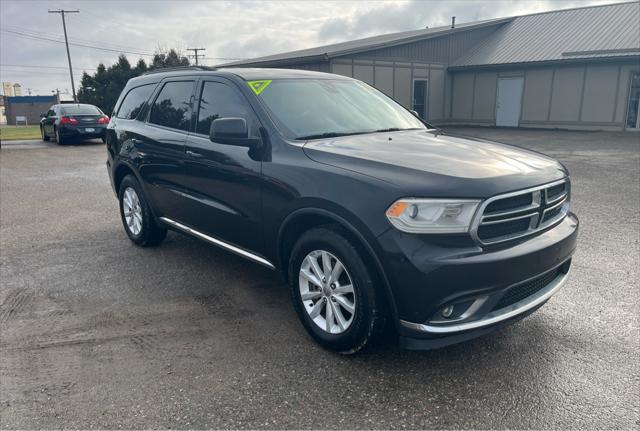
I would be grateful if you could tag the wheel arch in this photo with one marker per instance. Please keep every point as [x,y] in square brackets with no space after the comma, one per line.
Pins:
[301,220]
[121,171]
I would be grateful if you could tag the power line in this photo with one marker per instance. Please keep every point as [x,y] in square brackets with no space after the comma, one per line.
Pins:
[74,39]
[82,45]
[38,66]
[66,42]
[101,48]
[195,55]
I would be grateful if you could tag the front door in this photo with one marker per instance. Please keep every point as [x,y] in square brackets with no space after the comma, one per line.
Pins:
[420,87]
[223,182]
[633,107]
[508,102]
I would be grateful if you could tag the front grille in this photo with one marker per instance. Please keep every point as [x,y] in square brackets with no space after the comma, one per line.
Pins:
[552,213]
[526,289]
[508,203]
[497,230]
[555,191]
[518,214]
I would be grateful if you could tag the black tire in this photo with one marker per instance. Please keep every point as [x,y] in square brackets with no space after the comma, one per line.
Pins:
[45,137]
[368,319]
[59,139]
[150,234]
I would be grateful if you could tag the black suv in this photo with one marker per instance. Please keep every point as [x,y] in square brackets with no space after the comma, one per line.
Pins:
[66,121]
[370,214]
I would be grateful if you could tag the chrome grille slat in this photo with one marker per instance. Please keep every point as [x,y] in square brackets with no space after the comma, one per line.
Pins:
[537,211]
[504,220]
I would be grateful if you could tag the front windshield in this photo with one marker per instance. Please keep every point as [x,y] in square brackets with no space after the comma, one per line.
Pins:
[308,108]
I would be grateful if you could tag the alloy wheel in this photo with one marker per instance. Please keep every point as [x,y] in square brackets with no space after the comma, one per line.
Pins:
[327,292]
[132,210]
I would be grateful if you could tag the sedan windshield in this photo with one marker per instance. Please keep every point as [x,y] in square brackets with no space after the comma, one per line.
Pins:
[311,109]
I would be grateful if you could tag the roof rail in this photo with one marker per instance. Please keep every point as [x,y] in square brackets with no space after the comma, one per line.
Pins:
[178,69]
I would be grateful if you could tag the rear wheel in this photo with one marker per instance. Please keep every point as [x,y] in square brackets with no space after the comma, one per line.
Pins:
[59,139]
[137,219]
[45,137]
[333,291]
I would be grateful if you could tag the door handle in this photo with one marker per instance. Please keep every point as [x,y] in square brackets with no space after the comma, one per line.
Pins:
[193,154]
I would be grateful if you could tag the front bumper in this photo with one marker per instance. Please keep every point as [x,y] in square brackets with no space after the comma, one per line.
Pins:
[486,287]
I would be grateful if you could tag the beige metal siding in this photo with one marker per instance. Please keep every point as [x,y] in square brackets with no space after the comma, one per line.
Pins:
[341,69]
[402,86]
[363,72]
[537,95]
[484,96]
[384,79]
[599,93]
[567,94]
[436,94]
[462,96]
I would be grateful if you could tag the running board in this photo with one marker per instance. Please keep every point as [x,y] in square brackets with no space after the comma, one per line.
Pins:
[230,247]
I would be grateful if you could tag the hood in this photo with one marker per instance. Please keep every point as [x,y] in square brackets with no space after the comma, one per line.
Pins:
[417,155]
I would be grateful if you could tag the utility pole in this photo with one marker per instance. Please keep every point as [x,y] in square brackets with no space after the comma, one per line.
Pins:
[195,53]
[66,42]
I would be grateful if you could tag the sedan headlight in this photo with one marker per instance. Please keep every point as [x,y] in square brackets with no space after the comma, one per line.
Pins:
[432,215]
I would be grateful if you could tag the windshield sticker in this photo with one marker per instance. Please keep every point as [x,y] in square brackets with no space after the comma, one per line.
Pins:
[259,86]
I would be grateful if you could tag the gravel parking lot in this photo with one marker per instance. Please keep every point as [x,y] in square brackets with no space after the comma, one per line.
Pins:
[97,333]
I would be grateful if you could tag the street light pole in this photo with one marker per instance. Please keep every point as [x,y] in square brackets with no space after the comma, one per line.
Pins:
[66,42]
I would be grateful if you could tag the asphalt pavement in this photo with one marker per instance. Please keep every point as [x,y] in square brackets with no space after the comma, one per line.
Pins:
[97,333]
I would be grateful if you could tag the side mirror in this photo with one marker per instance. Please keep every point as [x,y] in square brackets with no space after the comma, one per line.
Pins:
[231,131]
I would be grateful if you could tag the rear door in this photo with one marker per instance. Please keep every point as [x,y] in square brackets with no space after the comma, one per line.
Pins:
[160,143]
[224,182]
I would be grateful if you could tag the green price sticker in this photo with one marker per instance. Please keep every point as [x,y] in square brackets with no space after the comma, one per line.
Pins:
[259,86]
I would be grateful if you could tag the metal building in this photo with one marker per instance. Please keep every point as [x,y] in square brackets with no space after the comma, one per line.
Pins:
[29,107]
[571,69]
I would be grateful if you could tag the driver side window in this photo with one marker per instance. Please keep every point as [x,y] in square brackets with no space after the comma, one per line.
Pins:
[218,100]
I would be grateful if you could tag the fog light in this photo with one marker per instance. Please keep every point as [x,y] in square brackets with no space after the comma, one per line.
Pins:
[447,311]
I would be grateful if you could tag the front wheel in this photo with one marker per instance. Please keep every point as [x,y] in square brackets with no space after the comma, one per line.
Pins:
[137,219]
[45,137]
[333,291]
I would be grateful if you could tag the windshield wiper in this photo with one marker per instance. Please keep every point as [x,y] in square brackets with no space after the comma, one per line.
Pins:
[393,129]
[327,135]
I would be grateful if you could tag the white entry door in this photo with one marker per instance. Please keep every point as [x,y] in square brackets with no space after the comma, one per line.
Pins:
[509,101]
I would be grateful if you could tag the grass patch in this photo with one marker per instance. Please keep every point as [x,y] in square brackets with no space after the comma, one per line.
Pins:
[12,133]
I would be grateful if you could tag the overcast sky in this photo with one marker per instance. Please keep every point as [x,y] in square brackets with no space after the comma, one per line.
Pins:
[227,29]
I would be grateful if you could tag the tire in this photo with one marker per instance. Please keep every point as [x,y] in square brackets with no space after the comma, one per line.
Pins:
[45,137]
[59,139]
[366,323]
[139,223]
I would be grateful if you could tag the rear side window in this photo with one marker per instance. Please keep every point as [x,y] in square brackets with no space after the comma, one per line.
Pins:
[171,108]
[134,101]
[80,110]
[218,100]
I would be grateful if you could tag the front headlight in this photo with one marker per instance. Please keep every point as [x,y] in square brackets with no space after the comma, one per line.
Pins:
[432,215]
